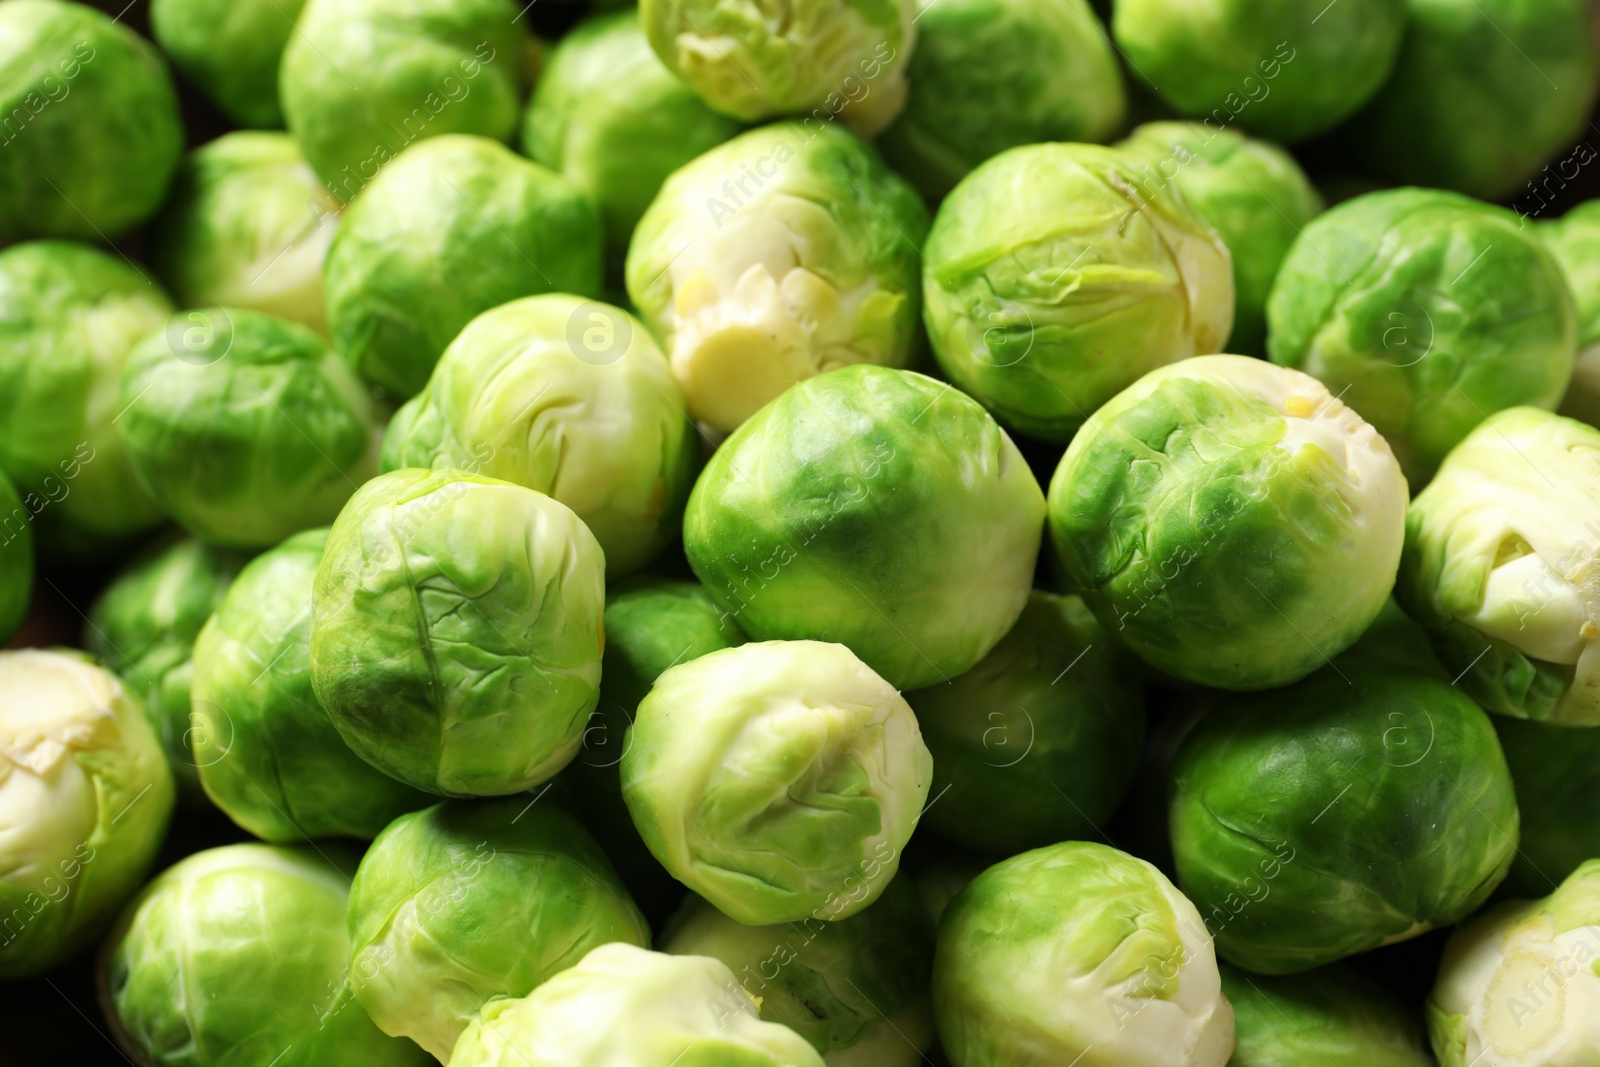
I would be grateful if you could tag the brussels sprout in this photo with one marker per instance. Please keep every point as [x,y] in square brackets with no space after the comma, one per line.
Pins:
[362,79]
[873,507]
[828,58]
[1496,553]
[69,317]
[1232,522]
[267,754]
[836,984]
[1281,68]
[627,1007]
[144,626]
[1521,984]
[1483,93]
[1356,809]
[1039,741]
[16,560]
[1252,192]
[245,427]
[651,624]
[254,936]
[1059,81]
[1574,239]
[456,226]
[248,226]
[84,797]
[1396,640]
[230,50]
[455,631]
[1425,311]
[89,123]
[1077,953]
[466,902]
[779,780]
[570,397]
[788,251]
[1057,274]
[615,122]
[1556,772]
[1332,1017]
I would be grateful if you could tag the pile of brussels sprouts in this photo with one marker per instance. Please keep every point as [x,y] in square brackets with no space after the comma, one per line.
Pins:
[987,533]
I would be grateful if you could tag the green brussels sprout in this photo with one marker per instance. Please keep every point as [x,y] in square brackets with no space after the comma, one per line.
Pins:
[84,797]
[628,1007]
[89,123]
[254,938]
[362,79]
[873,507]
[1281,68]
[458,225]
[1395,639]
[1574,239]
[466,902]
[778,780]
[1057,274]
[456,631]
[1038,742]
[245,427]
[1425,311]
[144,626]
[70,316]
[1498,565]
[230,50]
[651,624]
[1252,192]
[1059,81]
[1556,771]
[1358,808]
[1484,92]
[1521,984]
[826,58]
[1077,953]
[614,122]
[1332,1017]
[267,754]
[16,560]
[248,226]
[1230,521]
[568,396]
[844,986]
[786,252]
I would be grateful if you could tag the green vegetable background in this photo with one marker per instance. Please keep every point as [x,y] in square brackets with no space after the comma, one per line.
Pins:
[800,533]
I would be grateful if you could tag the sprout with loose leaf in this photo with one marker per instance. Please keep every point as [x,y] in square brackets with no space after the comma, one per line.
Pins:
[472,902]
[84,795]
[779,780]
[1500,565]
